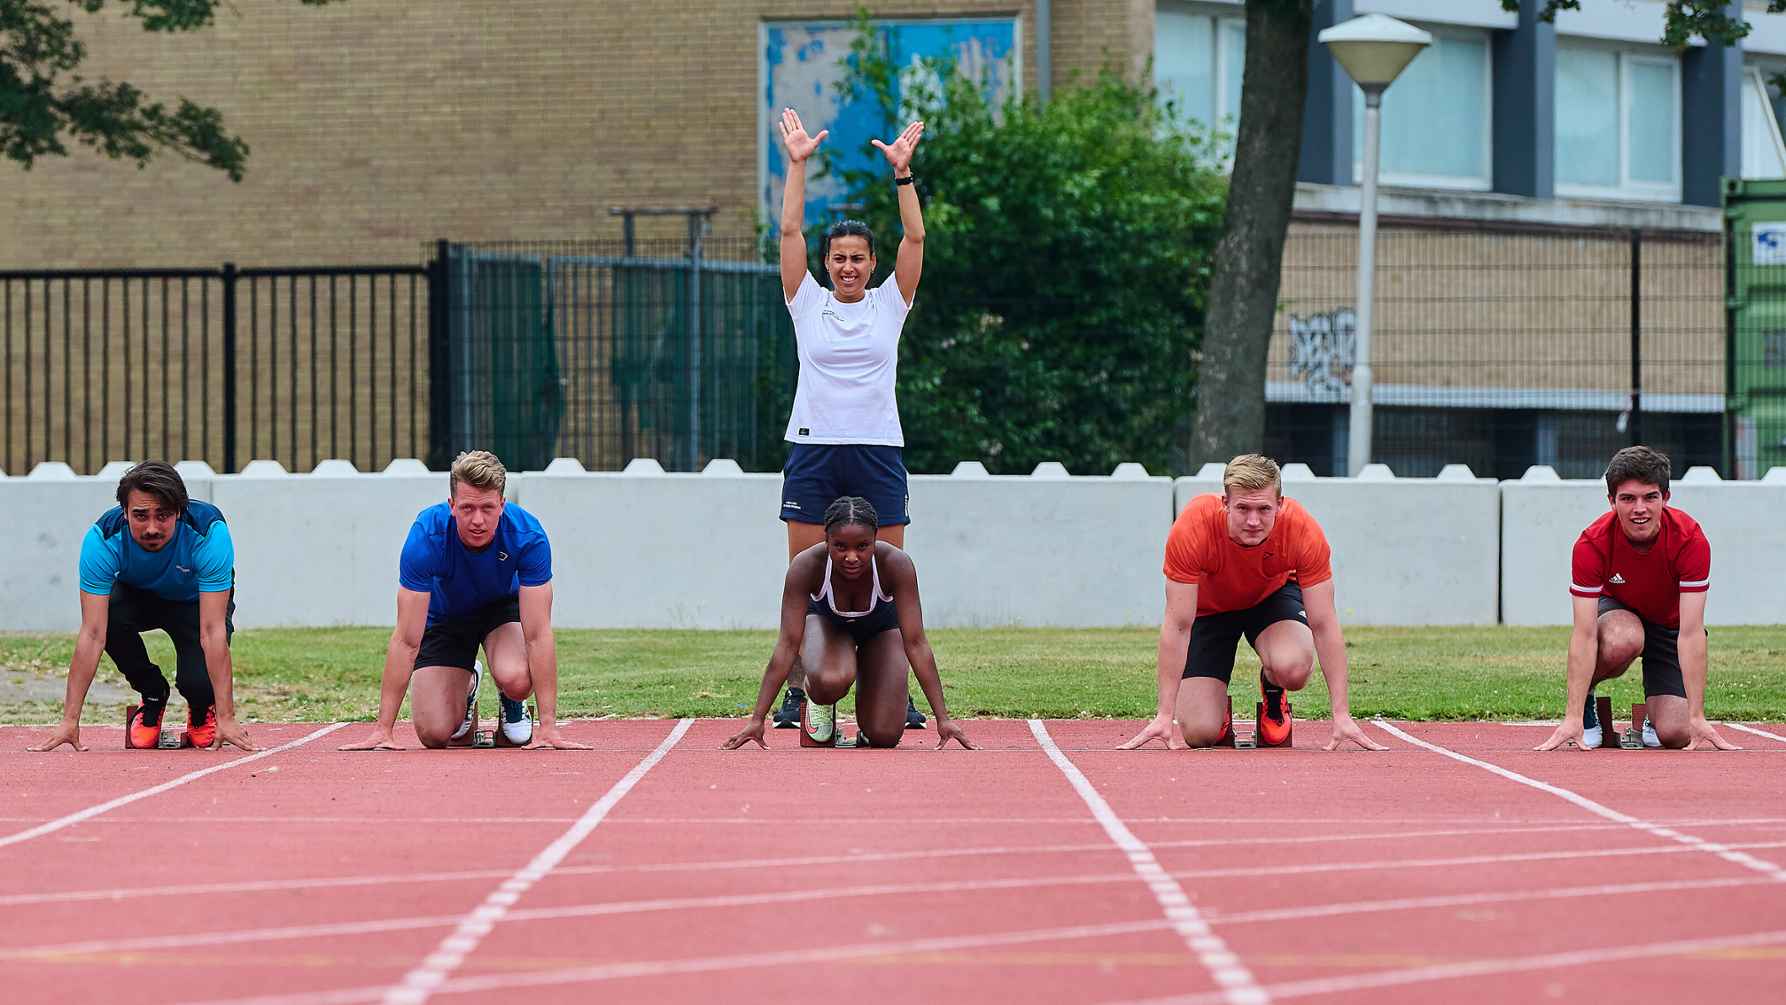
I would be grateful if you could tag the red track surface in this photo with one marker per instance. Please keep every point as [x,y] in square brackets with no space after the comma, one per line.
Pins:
[904,875]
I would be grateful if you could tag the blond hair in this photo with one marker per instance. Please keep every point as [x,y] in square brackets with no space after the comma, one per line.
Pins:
[479,469]
[1250,473]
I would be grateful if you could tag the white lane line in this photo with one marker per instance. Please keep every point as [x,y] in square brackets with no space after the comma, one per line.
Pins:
[1236,981]
[90,812]
[421,982]
[1757,732]
[928,854]
[114,947]
[1488,967]
[708,964]
[1725,852]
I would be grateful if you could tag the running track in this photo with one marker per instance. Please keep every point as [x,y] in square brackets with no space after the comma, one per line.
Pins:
[1459,866]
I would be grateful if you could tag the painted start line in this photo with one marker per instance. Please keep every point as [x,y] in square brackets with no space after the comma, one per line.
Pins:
[1047,867]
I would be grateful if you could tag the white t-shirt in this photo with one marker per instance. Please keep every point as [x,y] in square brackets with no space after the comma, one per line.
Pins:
[849,359]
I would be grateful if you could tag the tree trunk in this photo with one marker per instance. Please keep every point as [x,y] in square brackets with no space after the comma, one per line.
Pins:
[1244,287]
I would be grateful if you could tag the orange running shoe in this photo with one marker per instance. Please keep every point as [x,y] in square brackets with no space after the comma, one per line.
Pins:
[200,734]
[1274,719]
[143,729]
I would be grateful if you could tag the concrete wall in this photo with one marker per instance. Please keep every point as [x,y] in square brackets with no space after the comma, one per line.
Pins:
[646,549]
[1542,516]
[1406,551]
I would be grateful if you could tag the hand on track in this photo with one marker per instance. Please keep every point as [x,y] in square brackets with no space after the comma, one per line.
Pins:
[1160,728]
[549,736]
[379,740]
[1567,732]
[753,731]
[1346,728]
[69,734]
[232,733]
[1705,732]
[949,729]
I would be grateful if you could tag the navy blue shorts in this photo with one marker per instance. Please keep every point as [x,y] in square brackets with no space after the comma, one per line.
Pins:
[818,474]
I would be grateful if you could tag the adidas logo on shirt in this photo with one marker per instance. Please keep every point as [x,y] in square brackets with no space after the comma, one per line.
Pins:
[1617,580]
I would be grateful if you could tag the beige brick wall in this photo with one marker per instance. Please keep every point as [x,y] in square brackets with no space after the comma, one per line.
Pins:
[378,126]
[1546,310]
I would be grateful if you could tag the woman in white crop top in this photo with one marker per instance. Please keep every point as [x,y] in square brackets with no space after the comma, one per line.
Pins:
[844,434]
[850,610]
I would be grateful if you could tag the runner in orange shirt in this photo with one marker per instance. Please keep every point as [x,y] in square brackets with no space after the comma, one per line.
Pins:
[1247,562]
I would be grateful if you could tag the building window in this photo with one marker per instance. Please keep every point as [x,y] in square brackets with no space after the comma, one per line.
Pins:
[1197,62]
[1618,120]
[1437,118]
[1764,153]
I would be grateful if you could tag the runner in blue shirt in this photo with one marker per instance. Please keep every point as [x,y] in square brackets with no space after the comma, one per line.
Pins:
[476,570]
[158,559]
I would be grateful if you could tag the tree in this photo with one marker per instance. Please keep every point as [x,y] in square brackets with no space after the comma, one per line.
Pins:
[1065,265]
[44,99]
[1230,401]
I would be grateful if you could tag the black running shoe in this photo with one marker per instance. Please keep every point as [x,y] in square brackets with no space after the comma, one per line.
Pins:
[914,719]
[788,715]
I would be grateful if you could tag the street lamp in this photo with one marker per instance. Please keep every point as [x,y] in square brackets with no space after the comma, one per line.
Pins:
[1374,49]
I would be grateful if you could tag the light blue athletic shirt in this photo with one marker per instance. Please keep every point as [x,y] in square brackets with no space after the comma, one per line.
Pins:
[199,558]
[460,580]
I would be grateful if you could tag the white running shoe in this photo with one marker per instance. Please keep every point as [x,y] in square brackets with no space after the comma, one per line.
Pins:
[471,705]
[1649,735]
[1590,737]
[517,722]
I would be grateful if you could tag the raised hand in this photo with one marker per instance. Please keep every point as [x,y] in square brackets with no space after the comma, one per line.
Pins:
[899,152]
[794,139]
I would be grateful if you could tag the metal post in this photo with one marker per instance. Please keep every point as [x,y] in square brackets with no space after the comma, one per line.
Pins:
[1634,424]
[1358,442]
[229,368]
[697,224]
[440,356]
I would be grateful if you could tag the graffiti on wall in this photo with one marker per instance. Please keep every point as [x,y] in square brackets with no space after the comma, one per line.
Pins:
[1323,348]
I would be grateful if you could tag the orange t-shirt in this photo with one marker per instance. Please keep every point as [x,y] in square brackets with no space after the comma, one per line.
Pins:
[1200,553]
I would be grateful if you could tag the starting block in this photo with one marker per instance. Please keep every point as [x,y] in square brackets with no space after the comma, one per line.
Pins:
[1632,737]
[1252,740]
[170,739]
[1609,735]
[481,739]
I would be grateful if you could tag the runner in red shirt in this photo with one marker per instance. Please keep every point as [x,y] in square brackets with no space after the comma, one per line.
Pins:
[1638,585]
[1247,562]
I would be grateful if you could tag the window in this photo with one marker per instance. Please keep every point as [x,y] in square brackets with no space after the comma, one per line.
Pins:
[1437,118]
[1618,117]
[1197,63]
[1764,154]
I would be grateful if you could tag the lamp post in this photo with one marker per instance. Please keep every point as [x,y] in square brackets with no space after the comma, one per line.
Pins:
[1374,49]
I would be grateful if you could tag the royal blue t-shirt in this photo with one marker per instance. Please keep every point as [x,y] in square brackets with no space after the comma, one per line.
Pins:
[198,558]
[461,580]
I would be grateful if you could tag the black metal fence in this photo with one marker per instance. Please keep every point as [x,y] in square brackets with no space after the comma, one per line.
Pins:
[595,350]
[214,364]
[1501,348]
[1497,347]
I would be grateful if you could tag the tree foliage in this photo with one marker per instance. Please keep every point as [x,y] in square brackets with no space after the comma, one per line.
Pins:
[46,102]
[1065,268]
